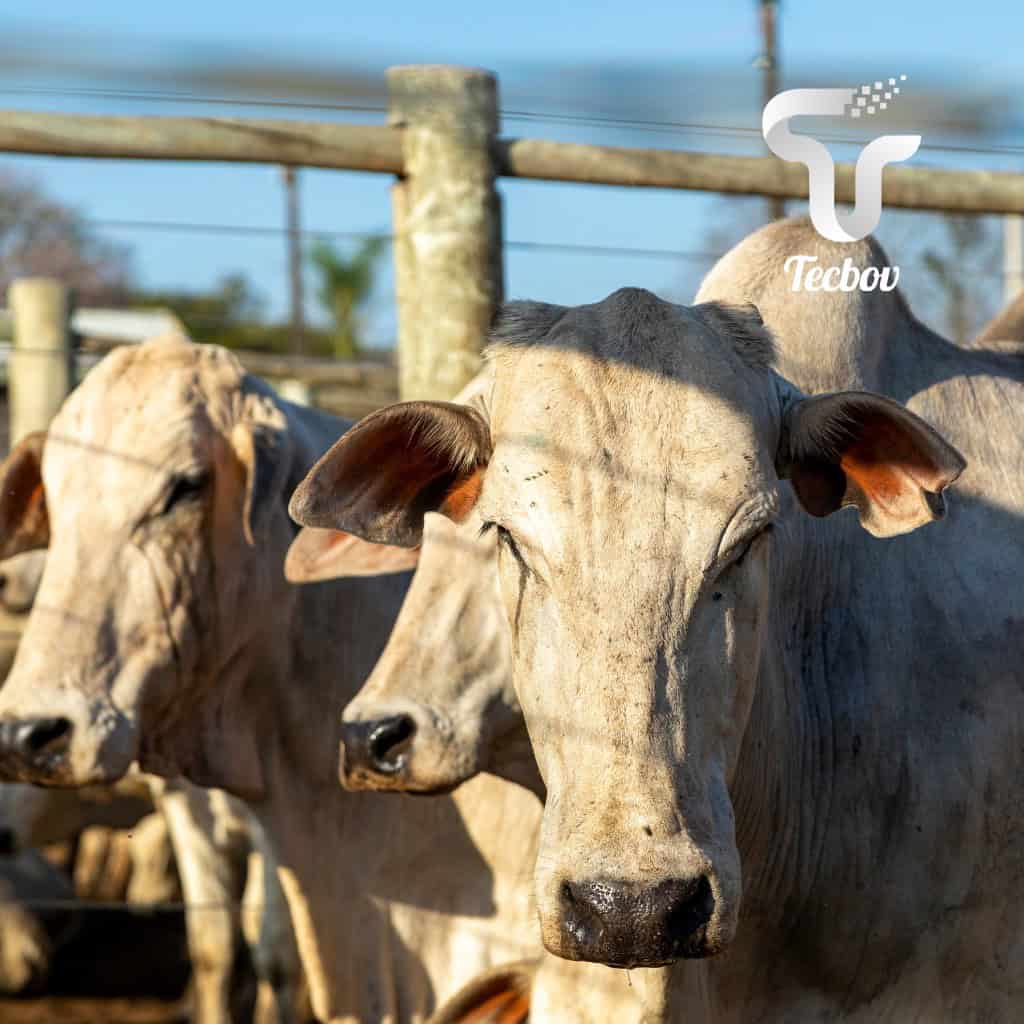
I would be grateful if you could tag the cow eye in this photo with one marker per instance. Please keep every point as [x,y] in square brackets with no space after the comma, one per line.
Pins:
[187,487]
[506,541]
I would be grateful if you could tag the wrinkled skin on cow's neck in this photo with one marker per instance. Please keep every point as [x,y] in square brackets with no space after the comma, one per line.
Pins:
[375,909]
[875,797]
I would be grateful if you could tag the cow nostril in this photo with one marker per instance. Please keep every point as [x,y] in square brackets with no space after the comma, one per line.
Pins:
[691,910]
[45,735]
[388,742]
[7,844]
[625,924]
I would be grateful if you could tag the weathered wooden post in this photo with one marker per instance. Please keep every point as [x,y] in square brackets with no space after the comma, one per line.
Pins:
[447,220]
[39,375]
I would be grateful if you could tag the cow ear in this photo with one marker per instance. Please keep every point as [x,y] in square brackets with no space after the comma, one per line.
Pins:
[318,554]
[395,465]
[24,520]
[858,448]
[260,443]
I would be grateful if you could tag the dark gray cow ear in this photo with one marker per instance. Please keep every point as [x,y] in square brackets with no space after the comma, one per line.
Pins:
[861,449]
[262,444]
[382,477]
[24,519]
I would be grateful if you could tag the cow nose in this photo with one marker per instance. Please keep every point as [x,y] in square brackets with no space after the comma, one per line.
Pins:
[28,743]
[377,747]
[623,924]
[7,842]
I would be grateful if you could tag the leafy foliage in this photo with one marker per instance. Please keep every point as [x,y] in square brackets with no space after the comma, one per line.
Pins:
[345,286]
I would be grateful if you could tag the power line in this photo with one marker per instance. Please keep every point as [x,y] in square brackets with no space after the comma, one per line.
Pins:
[524,245]
[169,96]
[276,232]
[552,117]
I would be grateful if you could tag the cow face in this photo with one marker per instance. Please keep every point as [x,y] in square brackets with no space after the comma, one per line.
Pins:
[439,706]
[148,493]
[629,467]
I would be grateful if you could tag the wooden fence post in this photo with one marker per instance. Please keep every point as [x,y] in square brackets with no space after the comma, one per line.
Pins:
[447,224]
[39,375]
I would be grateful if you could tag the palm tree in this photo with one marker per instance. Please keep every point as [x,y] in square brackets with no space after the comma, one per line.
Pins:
[345,285]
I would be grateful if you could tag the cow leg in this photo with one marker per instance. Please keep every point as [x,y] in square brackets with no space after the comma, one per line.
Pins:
[267,926]
[209,849]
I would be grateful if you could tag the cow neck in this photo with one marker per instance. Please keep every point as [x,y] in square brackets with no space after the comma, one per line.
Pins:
[335,631]
[830,610]
[782,777]
[308,663]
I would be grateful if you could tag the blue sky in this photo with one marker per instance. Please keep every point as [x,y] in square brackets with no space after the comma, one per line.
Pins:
[960,48]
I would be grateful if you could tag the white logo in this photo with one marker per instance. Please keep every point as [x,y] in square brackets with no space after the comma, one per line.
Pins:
[821,170]
[846,278]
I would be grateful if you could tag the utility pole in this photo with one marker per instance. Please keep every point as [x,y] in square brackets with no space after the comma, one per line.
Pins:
[768,62]
[298,334]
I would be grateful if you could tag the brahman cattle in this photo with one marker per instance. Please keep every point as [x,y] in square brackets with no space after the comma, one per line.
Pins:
[165,633]
[739,696]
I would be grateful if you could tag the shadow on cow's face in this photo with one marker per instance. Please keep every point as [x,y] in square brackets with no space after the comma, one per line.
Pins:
[147,494]
[628,464]
[634,560]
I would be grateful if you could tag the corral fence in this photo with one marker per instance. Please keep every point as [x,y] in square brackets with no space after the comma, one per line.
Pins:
[52,345]
[442,144]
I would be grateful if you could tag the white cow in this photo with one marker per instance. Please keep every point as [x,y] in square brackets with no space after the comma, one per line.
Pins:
[734,703]
[165,632]
[447,672]
[217,844]
[439,706]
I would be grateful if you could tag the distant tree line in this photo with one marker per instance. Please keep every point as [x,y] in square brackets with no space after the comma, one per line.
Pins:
[40,236]
[950,271]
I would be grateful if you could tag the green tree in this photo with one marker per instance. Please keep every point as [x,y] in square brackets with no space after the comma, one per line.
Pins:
[231,314]
[345,285]
[228,305]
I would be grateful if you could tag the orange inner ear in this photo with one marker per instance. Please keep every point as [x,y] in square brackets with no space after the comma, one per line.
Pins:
[883,459]
[24,518]
[508,1007]
[459,501]
[37,518]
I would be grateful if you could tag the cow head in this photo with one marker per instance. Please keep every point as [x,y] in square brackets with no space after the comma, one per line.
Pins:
[439,706]
[629,467]
[150,491]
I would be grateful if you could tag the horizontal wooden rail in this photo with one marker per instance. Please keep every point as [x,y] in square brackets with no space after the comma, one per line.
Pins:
[356,147]
[912,188]
[379,148]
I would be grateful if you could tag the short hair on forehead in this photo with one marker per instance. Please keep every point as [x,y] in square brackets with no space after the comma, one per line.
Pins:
[520,324]
[743,327]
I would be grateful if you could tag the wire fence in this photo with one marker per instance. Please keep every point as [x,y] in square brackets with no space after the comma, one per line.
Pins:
[522,245]
[544,116]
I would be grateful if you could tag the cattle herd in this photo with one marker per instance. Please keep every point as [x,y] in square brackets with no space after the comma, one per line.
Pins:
[691,742]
